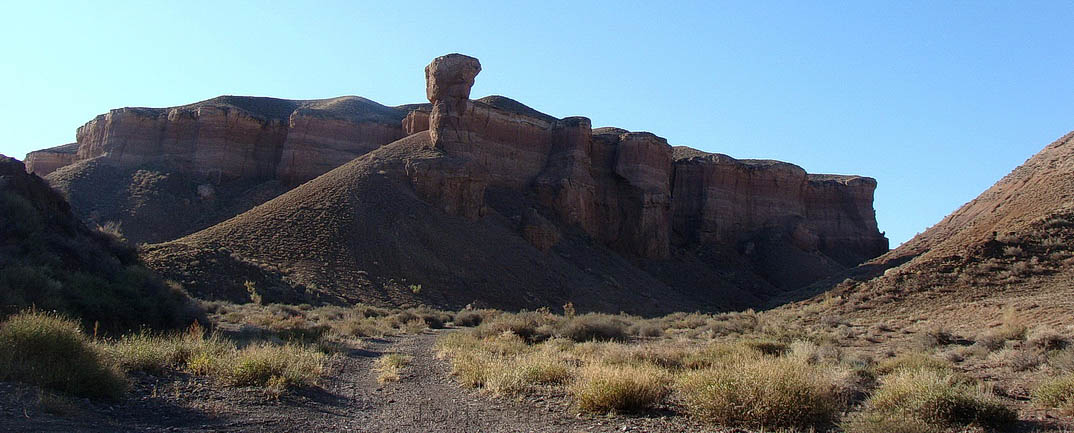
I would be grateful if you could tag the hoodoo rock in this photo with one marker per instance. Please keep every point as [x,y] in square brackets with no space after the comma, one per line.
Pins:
[483,199]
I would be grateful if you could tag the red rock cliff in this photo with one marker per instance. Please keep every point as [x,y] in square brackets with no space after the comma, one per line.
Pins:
[234,137]
[631,190]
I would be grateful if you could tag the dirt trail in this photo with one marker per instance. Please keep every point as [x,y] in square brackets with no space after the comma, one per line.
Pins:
[425,399]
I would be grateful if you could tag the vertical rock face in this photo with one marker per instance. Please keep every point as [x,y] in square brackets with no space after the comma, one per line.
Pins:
[45,161]
[633,192]
[247,138]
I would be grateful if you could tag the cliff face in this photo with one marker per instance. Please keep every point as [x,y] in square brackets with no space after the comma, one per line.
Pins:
[633,191]
[45,161]
[230,138]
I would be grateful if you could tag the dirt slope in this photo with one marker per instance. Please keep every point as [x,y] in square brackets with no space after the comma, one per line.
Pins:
[1012,246]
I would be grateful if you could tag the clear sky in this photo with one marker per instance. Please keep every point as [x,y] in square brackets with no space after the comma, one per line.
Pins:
[936,100]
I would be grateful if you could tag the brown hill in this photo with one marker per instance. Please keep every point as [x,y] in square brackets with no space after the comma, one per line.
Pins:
[50,260]
[489,200]
[1011,247]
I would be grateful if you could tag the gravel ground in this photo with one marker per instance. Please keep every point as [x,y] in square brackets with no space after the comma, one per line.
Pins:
[425,399]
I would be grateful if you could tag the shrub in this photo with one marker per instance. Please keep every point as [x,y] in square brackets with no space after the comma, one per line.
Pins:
[521,375]
[912,361]
[471,318]
[1063,360]
[604,388]
[646,329]
[595,327]
[876,422]
[389,366]
[1057,392]
[933,338]
[50,351]
[990,342]
[531,326]
[937,398]
[157,354]
[764,393]
[275,366]
[1047,339]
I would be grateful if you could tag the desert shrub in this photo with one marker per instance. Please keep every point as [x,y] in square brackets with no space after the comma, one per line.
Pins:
[355,325]
[1019,359]
[877,422]
[764,393]
[767,347]
[389,366]
[595,327]
[912,361]
[156,353]
[523,374]
[646,329]
[434,319]
[990,342]
[721,353]
[937,398]
[812,353]
[933,338]
[604,388]
[1013,326]
[50,351]
[471,318]
[1062,360]
[1047,339]
[275,366]
[1057,392]
[531,326]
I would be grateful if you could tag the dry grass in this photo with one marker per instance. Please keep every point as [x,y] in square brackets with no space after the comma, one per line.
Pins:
[50,351]
[1057,392]
[936,398]
[607,388]
[389,367]
[778,392]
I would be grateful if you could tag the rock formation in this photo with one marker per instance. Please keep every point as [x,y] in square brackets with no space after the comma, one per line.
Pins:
[630,189]
[542,206]
[45,161]
[229,137]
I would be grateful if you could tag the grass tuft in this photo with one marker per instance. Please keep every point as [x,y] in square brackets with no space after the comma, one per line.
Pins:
[50,351]
[605,388]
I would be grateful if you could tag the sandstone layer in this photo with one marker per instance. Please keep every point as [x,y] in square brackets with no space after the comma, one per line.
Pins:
[45,161]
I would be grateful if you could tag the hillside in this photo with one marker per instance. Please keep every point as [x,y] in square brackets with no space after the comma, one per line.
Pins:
[1012,247]
[50,260]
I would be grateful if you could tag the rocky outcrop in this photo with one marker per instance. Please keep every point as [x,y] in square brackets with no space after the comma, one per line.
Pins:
[45,161]
[633,192]
[238,138]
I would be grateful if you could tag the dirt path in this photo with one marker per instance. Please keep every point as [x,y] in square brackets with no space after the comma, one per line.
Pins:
[425,399]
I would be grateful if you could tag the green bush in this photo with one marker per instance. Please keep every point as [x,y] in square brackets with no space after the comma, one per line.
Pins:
[49,350]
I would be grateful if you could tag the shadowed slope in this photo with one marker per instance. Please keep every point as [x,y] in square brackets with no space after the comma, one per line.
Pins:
[359,233]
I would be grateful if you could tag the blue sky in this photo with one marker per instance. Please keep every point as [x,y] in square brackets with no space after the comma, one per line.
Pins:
[936,100]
